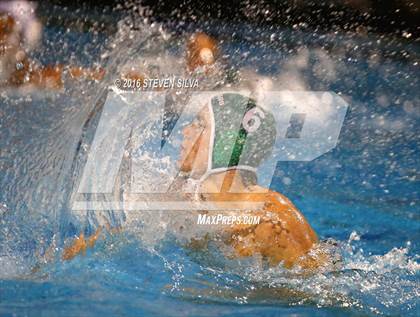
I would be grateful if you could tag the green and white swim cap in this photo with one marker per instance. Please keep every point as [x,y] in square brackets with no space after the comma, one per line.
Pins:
[243,133]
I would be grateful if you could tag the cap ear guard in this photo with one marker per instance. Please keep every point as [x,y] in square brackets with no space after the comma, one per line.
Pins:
[243,134]
[228,148]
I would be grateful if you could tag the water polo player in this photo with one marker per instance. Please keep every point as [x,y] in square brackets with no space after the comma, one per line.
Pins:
[219,156]
[220,153]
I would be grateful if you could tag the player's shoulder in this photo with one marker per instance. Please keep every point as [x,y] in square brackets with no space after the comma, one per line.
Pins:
[271,195]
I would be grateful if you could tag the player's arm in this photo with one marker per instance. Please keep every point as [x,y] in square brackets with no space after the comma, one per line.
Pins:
[51,76]
[80,244]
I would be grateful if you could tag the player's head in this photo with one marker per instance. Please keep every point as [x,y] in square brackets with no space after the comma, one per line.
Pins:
[231,132]
[18,23]
[7,30]
[201,51]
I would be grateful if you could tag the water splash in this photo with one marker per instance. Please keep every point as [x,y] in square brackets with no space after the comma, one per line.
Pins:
[38,170]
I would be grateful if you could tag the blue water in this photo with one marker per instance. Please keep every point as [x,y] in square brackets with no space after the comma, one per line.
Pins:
[364,194]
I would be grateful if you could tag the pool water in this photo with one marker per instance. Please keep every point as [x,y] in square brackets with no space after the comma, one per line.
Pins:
[364,194]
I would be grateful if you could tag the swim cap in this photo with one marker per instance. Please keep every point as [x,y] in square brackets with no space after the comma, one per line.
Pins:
[243,134]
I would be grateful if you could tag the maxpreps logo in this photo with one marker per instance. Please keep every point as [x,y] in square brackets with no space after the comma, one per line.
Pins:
[131,163]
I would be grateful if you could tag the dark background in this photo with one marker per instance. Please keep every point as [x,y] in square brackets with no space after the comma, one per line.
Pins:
[379,16]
